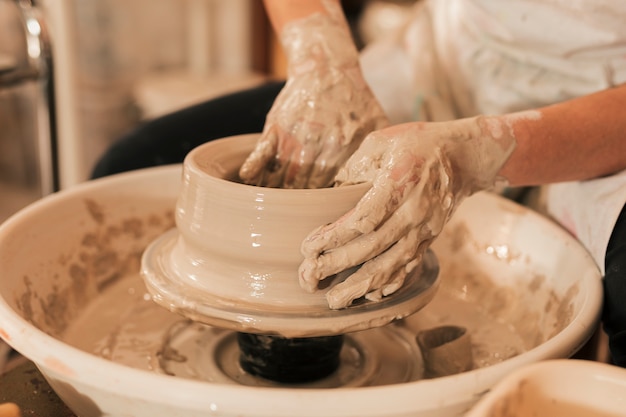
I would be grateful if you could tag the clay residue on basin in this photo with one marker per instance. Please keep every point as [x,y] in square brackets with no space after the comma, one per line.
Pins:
[88,292]
[496,312]
[103,251]
[501,281]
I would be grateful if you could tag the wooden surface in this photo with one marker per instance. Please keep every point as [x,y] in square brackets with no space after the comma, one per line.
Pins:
[25,386]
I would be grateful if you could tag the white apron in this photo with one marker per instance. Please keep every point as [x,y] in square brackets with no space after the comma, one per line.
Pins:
[459,58]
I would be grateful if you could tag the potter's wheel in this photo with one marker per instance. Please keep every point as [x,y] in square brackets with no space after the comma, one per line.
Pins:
[248,283]
[178,294]
[62,261]
[134,331]
[144,335]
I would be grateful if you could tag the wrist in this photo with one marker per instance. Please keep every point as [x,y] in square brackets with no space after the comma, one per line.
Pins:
[318,42]
[481,148]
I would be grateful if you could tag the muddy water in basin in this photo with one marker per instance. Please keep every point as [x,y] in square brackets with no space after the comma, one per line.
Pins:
[124,325]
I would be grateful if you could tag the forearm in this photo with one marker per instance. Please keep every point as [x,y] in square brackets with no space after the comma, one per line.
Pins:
[314,34]
[282,12]
[579,139]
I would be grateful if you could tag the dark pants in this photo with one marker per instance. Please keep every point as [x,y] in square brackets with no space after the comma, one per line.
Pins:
[614,312]
[168,139]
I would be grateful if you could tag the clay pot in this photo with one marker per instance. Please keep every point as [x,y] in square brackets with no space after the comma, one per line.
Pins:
[233,259]
[242,242]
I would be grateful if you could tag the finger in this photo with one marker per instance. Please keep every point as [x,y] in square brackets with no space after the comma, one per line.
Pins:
[265,150]
[418,213]
[286,159]
[396,280]
[366,215]
[363,164]
[301,163]
[323,171]
[333,153]
[321,156]
[392,285]
[387,194]
[355,252]
[374,275]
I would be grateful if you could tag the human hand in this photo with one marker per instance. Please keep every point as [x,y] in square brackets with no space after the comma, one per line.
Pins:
[419,173]
[322,114]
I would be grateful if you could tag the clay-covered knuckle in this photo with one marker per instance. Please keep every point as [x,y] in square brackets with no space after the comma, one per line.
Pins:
[329,237]
[306,275]
[356,171]
[374,295]
[372,276]
[374,244]
[371,210]
[321,239]
[314,244]
[406,264]
[364,164]
[335,261]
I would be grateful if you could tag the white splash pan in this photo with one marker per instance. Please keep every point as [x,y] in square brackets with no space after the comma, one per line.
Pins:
[557,388]
[57,252]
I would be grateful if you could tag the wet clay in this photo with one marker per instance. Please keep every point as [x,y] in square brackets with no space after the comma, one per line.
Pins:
[503,319]
[134,331]
[108,250]
[520,298]
[119,321]
[447,350]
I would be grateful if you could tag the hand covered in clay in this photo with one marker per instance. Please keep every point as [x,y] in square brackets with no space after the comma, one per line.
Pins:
[322,114]
[419,173]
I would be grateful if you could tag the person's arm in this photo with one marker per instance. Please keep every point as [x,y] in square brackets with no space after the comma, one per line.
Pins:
[577,139]
[420,172]
[282,12]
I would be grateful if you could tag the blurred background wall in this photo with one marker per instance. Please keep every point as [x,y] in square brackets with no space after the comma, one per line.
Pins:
[118,62]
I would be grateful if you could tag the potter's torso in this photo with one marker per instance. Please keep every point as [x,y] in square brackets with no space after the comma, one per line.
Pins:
[459,58]
[529,53]
[501,56]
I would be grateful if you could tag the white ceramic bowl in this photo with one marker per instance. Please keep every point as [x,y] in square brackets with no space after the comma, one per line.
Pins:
[557,388]
[59,254]
[233,258]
